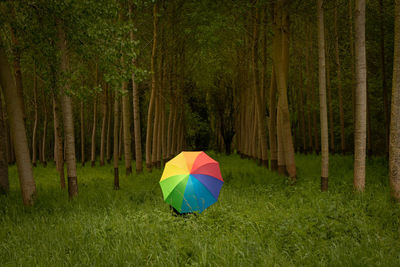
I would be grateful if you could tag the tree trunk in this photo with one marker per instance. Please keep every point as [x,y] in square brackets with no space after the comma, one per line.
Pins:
[126,129]
[394,147]
[16,50]
[301,115]
[120,134]
[360,97]
[68,119]
[153,89]
[58,141]
[103,125]
[136,115]
[310,94]
[116,143]
[4,183]
[18,133]
[339,84]
[43,159]
[261,118]
[82,134]
[108,143]
[273,123]
[353,74]
[281,63]
[383,67]
[330,106]
[34,142]
[93,141]
[322,99]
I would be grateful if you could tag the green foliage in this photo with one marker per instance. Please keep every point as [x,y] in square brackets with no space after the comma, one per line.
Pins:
[259,220]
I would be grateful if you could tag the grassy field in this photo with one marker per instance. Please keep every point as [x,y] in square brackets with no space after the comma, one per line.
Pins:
[259,220]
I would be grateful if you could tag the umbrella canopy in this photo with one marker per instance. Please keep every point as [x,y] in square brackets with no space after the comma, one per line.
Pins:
[191,181]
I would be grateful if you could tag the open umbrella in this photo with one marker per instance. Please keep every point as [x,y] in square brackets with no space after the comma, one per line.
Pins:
[191,181]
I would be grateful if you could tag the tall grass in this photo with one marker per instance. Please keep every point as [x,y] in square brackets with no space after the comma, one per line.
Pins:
[259,219]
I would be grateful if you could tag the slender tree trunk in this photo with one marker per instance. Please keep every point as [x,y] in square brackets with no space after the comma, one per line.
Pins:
[136,115]
[262,124]
[116,143]
[339,83]
[281,151]
[18,133]
[68,120]
[44,161]
[322,99]
[361,98]
[394,147]
[7,133]
[121,136]
[273,123]
[34,142]
[153,90]
[103,126]
[93,141]
[155,132]
[281,63]
[126,129]
[309,96]
[330,106]
[108,141]
[58,141]
[4,183]
[386,111]
[301,115]
[82,134]
[16,50]
[314,116]
[353,70]
[369,140]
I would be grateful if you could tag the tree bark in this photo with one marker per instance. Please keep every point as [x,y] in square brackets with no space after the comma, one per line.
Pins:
[273,123]
[4,183]
[394,147]
[383,67]
[103,126]
[35,123]
[360,97]
[329,99]
[58,141]
[353,70]
[68,120]
[121,136]
[16,50]
[322,99]
[116,143]
[281,63]
[82,134]
[93,141]
[261,118]
[108,137]
[43,159]
[127,129]
[301,115]
[18,132]
[153,89]
[136,114]
[339,83]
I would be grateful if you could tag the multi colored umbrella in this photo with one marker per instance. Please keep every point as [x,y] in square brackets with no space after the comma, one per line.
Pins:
[191,181]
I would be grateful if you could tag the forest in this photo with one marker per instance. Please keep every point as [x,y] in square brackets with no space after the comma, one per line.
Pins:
[295,102]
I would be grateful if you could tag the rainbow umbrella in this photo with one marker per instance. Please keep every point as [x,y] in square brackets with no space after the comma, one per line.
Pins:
[191,181]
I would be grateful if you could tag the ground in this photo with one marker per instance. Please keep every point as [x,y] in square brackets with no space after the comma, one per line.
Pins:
[259,220]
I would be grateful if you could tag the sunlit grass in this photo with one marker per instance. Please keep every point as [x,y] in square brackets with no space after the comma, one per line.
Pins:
[259,220]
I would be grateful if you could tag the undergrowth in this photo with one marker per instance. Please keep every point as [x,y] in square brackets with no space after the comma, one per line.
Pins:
[259,220]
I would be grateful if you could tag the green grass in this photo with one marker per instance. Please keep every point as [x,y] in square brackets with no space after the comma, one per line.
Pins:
[259,220]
